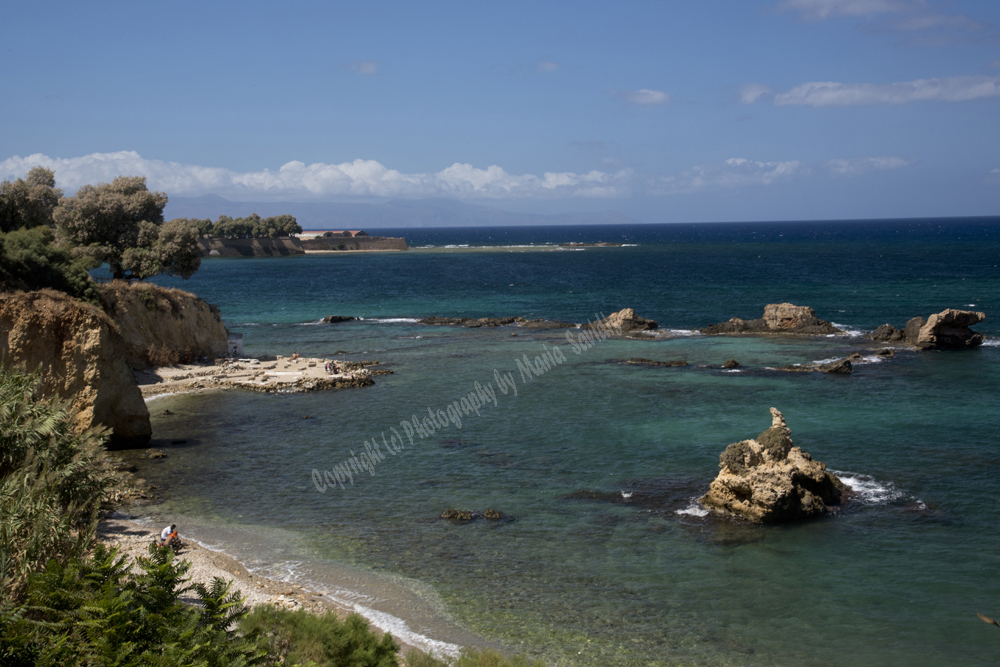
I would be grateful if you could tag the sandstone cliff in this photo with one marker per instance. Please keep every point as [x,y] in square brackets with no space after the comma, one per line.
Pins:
[81,357]
[161,326]
[768,480]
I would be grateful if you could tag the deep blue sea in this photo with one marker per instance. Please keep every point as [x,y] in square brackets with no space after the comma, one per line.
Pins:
[628,573]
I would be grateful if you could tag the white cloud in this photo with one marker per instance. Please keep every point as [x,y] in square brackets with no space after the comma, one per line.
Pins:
[733,173]
[547,66]
[366,67]
[752,92]
[824,9]
[644,97]
[863,165]
[953,89]
[360,178]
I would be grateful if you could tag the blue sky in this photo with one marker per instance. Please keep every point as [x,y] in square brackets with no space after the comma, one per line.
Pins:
[664,111]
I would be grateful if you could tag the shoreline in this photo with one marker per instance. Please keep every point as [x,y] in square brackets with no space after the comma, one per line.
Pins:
[133,536]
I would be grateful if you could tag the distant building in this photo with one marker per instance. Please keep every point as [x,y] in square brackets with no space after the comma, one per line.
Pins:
[311,234]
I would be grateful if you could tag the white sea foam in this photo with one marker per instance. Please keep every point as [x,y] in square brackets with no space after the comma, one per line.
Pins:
[398,628]
[732,370]
[868,489]
[630,245]
[848,331]
[172,393]
[310,324]
[694,509]
[462,245]
[991,342]
[683,332]
[626,496]
[390,320]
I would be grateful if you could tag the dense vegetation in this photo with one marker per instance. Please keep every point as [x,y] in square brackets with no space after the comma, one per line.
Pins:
[121,223]
[30,260]
[250,227]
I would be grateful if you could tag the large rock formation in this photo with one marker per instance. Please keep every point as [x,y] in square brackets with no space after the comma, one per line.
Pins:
[780,319]
[625,321]
[767,480]
[81,357]
[162,326]
[949,330]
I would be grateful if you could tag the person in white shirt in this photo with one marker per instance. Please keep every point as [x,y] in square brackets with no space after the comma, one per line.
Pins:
[167,534]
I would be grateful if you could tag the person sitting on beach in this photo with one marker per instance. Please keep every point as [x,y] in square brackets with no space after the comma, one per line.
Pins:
[168,534]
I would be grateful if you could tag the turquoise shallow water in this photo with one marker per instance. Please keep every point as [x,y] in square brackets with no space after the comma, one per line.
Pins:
[605,579]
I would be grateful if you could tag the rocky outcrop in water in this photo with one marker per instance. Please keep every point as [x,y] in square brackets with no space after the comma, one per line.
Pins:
[337,319]
[625,321]
[768,480]
[837,367]
[161,326]
[949,330]
[779,319]
[467,515]
[80,356]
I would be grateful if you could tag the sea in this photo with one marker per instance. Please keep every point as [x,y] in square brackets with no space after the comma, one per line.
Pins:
[603,556]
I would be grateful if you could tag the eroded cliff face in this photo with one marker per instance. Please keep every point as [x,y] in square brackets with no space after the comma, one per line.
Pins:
[81,357]
[161,326]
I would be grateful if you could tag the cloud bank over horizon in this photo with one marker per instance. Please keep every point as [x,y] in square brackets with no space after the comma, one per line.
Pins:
[371,179]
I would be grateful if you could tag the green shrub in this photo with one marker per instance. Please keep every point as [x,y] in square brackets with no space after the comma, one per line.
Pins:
[100,611]
[30,261]
[301,638]
[51,481]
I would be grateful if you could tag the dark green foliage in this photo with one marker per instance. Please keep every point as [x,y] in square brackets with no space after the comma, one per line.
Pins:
[777,440]
[298,637]
[253,226]
[30,261]
[99,612]
[28,202]
[121,223]
[735,455]
[51,482]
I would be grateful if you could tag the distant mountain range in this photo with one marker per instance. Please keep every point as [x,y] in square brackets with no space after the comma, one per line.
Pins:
[396,213]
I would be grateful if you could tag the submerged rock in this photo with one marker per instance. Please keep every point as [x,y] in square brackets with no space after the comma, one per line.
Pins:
[949,330]
[837,367]
[336,319]
[768,480]
[731,363]
[491,322]
[639,361]
[458,515]
[780,319]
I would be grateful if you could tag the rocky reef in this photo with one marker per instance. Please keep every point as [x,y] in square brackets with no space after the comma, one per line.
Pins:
[779,319]
[476,322]
[80,356]
[625,321]
[947,330]
[836,367]
[768,480]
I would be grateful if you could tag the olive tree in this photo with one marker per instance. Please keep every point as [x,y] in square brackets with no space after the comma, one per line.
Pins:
[121,223]
[28,202]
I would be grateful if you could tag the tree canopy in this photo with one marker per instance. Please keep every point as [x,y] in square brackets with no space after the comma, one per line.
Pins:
[28,202]
[250,227]
[121,223]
